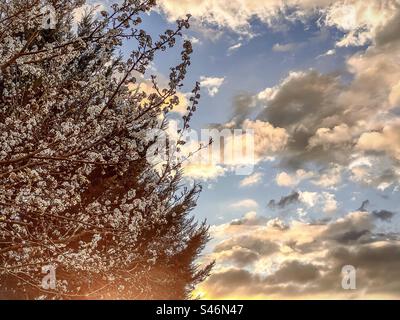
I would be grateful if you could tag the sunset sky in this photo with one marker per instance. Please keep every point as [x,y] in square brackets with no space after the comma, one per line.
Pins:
[319,82]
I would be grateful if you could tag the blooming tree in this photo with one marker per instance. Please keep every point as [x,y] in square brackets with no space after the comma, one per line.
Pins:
[76,190]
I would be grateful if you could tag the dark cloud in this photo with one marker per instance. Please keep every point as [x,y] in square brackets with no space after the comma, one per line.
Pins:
[242,107]
[260,246]
[285,201]
[307,102]
[222,283]
[353,236]
[303,104]
[383,214]
[304,99]
[321,250]
[364,205]
[294,271]
[242,257]
[355,227]
[390,32]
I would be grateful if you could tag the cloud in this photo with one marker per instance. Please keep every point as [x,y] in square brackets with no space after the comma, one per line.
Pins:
[383,214]
[234,47]
[294,197]
[330,120]
[284,179]
[267,138]
[260,246]
[294,271]
[251,180]
[277,47]
[363,206]
[330,124]
[330,52]
[361,21]
[330,203]
[387,140]
[212,84]
[203,171]
[250,218]
[303,260]
[239,256]
[246,203]
[192,39]
[327,137]
[325,201]
[146,86]
[329,177]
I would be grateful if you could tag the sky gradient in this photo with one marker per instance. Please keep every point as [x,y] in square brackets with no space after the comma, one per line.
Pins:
[319,82]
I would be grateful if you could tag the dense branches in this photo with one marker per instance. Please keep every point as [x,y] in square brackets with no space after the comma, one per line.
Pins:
[76,190]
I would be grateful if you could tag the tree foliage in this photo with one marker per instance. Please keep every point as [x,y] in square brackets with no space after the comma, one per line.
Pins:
[76,190]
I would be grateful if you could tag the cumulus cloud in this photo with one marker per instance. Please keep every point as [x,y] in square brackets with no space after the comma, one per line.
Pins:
[329,124]
[323,128]
[325,201]
[275,260]
[387,140]
[360,20]
[285,179]
[203,171]
[324,122]
[212,84]
[251,180]
[327,137]
[246,203]
[268,139]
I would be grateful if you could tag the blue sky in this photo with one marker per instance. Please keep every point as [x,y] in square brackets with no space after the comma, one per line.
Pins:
[344,54]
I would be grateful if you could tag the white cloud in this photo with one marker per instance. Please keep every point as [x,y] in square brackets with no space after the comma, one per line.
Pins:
[267,138]
[387,140]
[212,84]
[234,47]
[327,137]
[330,203]
[284,179]
[324,200]
[251,180]
[203,171]
[328,53]
[192,39]
[329,179]
[359,19]
[236,14]
[309,198]
[246,203]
